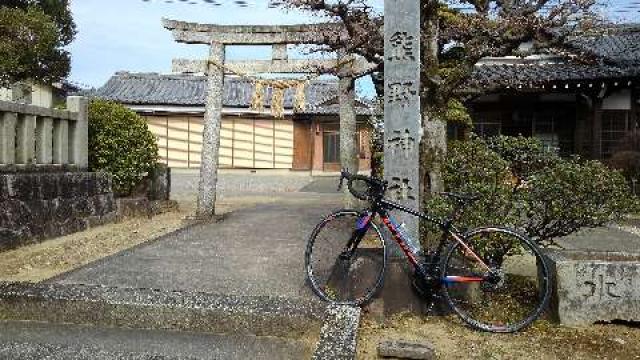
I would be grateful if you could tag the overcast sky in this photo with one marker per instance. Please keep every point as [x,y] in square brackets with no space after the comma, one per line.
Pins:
[127,35]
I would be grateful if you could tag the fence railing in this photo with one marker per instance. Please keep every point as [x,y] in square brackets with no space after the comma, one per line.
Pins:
[32,135]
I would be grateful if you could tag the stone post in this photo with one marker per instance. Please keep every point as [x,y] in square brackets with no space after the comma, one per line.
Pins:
[78,132]
[8,138]
[44,142]
[279,52]
[402,107]
[25,140]
[61,142]
[211,133]
[348,124]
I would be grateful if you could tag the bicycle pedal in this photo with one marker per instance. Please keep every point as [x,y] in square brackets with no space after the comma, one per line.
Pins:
[422,287]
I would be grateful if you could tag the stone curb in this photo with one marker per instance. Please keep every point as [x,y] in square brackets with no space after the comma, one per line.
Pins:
[20,351]
[339,333]
[157,309]
[186,311]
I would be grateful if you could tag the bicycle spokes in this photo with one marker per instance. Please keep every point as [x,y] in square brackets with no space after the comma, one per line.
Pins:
[343,264]
[507,296]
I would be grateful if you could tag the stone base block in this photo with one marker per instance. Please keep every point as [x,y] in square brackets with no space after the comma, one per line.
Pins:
[595,286]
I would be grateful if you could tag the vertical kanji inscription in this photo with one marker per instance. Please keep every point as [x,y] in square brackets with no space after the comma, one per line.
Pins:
[402,122]
[401,47]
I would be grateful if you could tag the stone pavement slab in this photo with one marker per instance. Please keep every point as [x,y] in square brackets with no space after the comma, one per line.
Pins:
[33,340]
[257,250]
[612,238]
[184,183]
[322,184]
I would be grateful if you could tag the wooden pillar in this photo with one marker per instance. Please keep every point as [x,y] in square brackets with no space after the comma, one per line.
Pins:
[8,138]
[635,107]
[211,133]
[596,133]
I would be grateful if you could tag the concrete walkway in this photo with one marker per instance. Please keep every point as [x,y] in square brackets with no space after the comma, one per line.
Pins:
[257,250]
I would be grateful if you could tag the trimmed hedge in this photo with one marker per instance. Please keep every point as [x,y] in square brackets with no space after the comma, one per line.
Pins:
[121,144]
[526,187]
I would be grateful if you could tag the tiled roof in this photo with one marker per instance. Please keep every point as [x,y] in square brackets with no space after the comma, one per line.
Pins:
[533,75]
[185,89]
[615,56]
[621,46]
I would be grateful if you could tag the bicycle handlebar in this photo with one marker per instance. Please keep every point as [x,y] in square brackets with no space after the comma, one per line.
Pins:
[375,188]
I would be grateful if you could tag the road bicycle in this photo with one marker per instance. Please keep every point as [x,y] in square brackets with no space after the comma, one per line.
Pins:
[495,279]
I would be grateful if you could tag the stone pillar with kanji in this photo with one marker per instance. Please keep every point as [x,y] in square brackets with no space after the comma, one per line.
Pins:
[402,107]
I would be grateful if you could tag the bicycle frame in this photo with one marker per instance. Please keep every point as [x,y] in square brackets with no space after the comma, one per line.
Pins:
[381,207]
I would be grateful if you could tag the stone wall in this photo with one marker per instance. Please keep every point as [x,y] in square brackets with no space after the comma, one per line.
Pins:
[37,206]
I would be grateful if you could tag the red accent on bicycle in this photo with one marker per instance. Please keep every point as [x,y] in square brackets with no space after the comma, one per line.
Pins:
[494,278]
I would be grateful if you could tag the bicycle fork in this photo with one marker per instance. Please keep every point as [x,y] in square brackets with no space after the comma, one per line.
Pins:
[362,226]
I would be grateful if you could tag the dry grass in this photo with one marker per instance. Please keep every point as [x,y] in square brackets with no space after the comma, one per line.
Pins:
[38,262]
[543,340]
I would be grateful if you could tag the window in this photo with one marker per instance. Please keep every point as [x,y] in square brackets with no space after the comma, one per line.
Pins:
[487,123]
[615,126]
[543,128]
[553,124]
[331,145]
[487,129]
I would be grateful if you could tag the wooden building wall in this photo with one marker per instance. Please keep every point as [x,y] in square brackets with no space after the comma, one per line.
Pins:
[244,142]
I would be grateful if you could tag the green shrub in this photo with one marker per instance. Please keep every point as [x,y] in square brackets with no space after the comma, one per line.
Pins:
[627,162]
[528,188]
[121,144]
[525,155]
[574,194]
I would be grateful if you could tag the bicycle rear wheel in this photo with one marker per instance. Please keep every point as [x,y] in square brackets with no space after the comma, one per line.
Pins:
[508,296]
[336,277]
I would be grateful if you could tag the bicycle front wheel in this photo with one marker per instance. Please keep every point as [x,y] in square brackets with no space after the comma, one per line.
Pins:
[508,295]
[339,276]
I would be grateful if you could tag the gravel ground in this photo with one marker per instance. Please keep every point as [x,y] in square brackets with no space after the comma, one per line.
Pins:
[543,340]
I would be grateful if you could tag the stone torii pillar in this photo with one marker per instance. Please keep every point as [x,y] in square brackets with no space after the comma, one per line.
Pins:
[211,133]
[218,36]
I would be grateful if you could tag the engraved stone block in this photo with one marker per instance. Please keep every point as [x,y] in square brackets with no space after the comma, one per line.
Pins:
[595,286]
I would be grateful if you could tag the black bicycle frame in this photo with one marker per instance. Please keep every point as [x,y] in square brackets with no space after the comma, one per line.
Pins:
[381,207]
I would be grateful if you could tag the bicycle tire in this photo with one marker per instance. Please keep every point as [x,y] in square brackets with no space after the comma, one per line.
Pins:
[517,283]
[313,272]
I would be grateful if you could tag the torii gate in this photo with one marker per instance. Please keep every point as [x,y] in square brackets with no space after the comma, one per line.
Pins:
[278,36]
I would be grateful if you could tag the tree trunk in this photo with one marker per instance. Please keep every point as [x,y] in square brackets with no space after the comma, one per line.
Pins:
[348,132]
[433,150]
[433,146]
